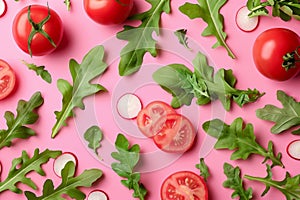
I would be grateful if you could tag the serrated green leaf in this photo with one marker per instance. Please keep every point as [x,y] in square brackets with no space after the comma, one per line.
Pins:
[203,84]
[69,184]
[241,139]
[16,125]
[204,171]
[93,136]
[285,118]
[22,166]
[128,157]
[140,40]
[40,71]
[235,182]
[209,11]
[92,66]
[182,38]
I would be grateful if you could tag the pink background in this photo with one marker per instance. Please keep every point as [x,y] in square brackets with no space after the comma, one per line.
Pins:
[81,34]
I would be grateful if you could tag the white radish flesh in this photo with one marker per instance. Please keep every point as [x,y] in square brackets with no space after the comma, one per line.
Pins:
[62,160]
[3,7]
[97,195]
[244,22]
[128,106]
[293,149]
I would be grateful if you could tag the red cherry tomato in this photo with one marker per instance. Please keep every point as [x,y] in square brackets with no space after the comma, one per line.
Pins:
[149,116]
[269,49]
[184,185]
[176,135]
[40,44]
[7,79]
[108,12]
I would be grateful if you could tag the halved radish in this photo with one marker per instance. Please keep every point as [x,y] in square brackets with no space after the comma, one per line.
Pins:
[97,195]
[293,149]
[3,8]
[62,160]
[244,22]
[129,105]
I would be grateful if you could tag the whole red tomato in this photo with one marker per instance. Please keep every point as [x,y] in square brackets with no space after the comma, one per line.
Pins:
[39,34]
[276,54]
[108,12]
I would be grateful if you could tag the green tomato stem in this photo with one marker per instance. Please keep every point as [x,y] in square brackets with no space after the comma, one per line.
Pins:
[290,59]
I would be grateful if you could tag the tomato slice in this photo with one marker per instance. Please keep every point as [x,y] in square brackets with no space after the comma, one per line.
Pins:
[7,79]
[148,117]
[184,185]
[176,134]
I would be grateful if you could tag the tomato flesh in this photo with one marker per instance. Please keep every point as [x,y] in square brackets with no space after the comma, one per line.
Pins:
[108,12]
[149,116]
[184,185]
[269,49]
[176,134]
[40,45]
[7,79]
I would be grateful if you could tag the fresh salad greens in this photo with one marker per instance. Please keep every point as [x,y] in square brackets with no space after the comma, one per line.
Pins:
[204,171]
[16,125]
[203,84]
[285,118]
[285,9]
[92,66]
[181,35]
[241,139]
[289,186]
[209,11]
[140,40]
[235,182]
[69,184]
[93,136]
[128,158]
[22,166]
[40,71]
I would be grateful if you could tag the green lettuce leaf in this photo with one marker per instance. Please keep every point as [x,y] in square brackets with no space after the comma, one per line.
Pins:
[204,171]
[93,136]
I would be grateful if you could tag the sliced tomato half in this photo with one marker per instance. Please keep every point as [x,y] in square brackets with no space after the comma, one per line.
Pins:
[7,79]
[184,185]
[176,134]
[148,117]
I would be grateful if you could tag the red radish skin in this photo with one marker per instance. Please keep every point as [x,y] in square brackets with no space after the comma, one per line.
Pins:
[3,8]
[97,195]
[293,149]
[129,105]
[244,22]
[60,162]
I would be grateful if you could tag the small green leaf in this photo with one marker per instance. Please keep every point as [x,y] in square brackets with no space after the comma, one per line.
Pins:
[93,136]
[181,35]
[68,4]
[204,171]
[40,71]
[16,125]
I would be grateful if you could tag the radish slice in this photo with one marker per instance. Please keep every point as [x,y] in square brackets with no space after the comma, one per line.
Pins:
[62,160]
[128,106]
[97,195]
[293,149]
[3,8]
[244,22]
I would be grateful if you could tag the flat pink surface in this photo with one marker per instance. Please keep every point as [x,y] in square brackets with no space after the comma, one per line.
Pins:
[81,34]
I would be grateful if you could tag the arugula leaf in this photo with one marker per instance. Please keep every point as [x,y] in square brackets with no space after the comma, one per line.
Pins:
[203,84]
[40,71]
[68,4]
[16,125]
[284,118]
[204,171]
[181,35]
[289,186]
[91,67]
[285,9]
[93,135]
[128,158]
[69,184]
[140,38]
[209,11]
[22,166]
[241,139]
[235,182]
